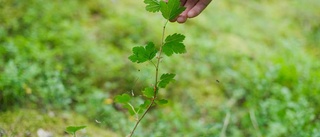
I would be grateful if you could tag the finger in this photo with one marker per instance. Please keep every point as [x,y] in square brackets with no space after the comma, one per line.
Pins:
[174,20]
[189,4]
[198,8]
[181,19]
[183,16]
[183,2]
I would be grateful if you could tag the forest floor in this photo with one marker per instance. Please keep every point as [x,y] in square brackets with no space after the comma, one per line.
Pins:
[31,123]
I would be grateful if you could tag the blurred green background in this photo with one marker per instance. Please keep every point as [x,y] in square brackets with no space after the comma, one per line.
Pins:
[62,62]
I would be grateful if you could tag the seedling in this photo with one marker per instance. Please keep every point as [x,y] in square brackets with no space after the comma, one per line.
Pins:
[73,129]
[171,44]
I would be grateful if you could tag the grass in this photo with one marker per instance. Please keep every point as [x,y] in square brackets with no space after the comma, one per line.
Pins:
[26,122]
[265,55]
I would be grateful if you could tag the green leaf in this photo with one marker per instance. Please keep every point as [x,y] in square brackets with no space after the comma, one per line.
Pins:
[171,9]
[173,44]
[145,104]
[142,54]
[124,98]
[162,101]
[164,10]
[74,129]
[130,108]
[148,92]
[152,5]
[165,79]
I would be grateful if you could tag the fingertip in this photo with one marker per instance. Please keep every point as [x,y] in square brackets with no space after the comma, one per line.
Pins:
[181,19]
[173,20]
[192,14]
[198,8]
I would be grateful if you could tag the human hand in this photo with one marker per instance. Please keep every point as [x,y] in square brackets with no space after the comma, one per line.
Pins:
[193,9]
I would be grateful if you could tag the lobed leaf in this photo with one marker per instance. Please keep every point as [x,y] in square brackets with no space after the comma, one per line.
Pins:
[152,5]
[148,92]
[165,79]
[124,98]
[143,54]
[173,44]
[175,38]
[171,9]
[74,129]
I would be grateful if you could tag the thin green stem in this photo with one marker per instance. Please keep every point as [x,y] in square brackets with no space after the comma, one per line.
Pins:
[225,125]
[153,64]
[160,52]
[134,110]
[156,81]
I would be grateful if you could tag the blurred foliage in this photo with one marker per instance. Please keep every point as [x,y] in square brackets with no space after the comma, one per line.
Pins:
[72,55]
[28,123]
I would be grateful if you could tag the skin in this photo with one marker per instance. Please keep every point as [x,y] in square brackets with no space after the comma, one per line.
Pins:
[194,8]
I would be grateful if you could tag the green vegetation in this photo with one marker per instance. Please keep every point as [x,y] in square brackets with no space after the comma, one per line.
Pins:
[73,129]
[26,122]
[154,55]
[252,68]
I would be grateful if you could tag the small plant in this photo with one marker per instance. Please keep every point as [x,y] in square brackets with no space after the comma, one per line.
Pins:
[172,44]
[73,129]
